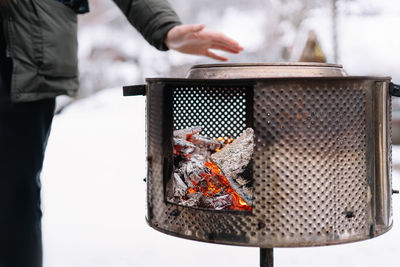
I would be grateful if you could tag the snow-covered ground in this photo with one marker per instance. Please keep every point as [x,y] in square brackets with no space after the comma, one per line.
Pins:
[93,189]
[94,201]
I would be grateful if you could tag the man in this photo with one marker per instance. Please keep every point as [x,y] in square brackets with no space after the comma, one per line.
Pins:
[38,61]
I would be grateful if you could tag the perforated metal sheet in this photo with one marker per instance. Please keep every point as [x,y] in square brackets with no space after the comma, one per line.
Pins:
[221,111]
[312,177]
[310,161]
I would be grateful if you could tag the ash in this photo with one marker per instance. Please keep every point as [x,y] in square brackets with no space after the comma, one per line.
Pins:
[233,160]
[209,173]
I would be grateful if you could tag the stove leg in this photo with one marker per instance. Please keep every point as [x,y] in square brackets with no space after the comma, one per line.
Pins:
[266,257]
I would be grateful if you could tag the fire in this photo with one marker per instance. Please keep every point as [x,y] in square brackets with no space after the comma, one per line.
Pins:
[216,182]
[197,180]
[225,140]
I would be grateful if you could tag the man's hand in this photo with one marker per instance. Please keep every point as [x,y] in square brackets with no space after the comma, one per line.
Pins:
[196,40]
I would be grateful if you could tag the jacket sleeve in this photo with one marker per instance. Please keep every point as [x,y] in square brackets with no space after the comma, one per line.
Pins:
[152,18]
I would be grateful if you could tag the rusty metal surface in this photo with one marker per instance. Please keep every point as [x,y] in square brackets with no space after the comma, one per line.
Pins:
[311,153]
[383,153]
[315,181]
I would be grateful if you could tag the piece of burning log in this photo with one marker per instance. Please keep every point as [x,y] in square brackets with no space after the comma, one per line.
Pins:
[205,142]
[232,160]
[189,171]
[180,188]
[188,143]
[220,202]
[193,200]
[186,133]
[183,148]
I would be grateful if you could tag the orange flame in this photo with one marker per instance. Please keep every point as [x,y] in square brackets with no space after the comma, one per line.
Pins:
[216,181]
[225,140]
[213,181]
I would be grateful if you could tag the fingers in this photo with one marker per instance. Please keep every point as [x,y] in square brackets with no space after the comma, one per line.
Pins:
[225,40]
[215,56]
[214,39]
[195,39]
[220,40]
[225,48]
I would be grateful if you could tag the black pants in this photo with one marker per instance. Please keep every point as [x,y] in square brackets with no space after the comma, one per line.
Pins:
[24,129]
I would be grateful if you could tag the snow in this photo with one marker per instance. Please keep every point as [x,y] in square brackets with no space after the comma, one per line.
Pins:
[93,190]
[94,201]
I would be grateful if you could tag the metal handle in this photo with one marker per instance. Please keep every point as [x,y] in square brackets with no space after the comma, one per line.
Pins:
[139,89]
[394,89]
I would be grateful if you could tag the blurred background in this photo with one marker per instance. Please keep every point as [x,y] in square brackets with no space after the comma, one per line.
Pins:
[93,190]
[359,34]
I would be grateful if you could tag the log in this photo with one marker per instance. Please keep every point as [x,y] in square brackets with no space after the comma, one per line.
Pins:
[233,159]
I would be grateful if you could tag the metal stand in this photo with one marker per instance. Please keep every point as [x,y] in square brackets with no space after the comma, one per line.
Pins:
[266,257]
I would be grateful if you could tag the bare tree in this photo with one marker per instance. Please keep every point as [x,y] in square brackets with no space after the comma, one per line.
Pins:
[335,31]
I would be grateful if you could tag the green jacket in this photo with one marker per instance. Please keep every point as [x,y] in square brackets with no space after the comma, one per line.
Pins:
[41,37]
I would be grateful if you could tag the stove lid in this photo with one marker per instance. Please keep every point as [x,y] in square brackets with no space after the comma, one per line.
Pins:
[265,70]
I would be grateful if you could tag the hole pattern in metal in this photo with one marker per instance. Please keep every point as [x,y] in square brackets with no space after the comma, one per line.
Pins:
[220,111]
[310,161]
[310,167]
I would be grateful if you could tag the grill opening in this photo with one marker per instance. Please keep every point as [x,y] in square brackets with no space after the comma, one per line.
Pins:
[212,145]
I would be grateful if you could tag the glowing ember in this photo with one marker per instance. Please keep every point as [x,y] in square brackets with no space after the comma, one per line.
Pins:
[224,140]
[215,183]
[198,181]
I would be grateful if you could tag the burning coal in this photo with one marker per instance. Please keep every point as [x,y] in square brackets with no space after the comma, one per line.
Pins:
[211,173]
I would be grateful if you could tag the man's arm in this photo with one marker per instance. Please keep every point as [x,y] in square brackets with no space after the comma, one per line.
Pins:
[161,27]
[152,18]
